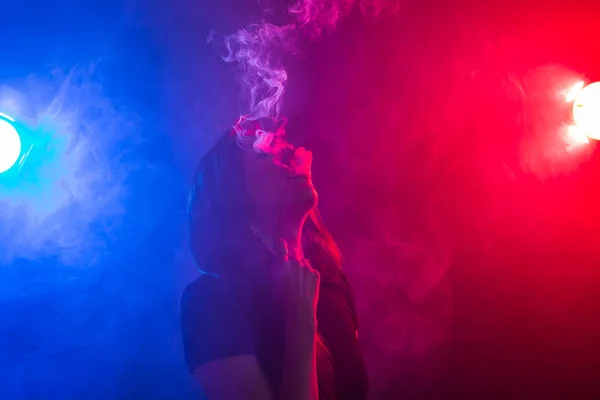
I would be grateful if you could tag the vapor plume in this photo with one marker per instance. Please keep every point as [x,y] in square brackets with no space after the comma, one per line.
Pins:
[259,49]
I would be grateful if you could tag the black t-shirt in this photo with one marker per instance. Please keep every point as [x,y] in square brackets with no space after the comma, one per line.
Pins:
[223,318]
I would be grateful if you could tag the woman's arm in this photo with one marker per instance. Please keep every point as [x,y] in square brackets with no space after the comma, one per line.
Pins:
[241,377]
[299,380]
[301,290]
[218,343]
[234,378]
[220,353]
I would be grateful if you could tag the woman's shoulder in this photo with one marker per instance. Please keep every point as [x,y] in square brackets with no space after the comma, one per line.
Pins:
[213,325]
[204,291]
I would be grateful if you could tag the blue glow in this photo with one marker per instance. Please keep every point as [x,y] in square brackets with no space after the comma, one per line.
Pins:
[92,213]
[72,168]
[10,146]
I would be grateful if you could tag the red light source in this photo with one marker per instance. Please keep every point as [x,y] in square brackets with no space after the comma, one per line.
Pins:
[586,110]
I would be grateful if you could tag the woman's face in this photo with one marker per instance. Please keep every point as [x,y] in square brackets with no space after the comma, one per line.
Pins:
[279,179]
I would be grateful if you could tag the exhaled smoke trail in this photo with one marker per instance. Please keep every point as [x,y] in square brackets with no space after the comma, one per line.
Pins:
[258,50]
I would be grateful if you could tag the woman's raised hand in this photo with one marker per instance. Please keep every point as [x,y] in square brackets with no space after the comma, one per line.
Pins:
[300,284]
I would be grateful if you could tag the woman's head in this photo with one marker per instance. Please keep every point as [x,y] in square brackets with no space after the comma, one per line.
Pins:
[234,185]
[278,181]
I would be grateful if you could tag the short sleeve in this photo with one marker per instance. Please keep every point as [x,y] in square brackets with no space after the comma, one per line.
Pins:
[212,324]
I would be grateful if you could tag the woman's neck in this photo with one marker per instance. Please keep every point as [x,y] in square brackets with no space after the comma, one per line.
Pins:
[290,231]
[292,234]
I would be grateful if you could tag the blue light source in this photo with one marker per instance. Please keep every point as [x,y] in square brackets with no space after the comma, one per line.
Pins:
[18,125]
[10,144]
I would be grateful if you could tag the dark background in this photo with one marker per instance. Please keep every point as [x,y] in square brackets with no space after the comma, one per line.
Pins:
[471,243]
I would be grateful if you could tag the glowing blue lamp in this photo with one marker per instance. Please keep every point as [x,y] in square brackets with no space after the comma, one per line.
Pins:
[16,113]
[10,144]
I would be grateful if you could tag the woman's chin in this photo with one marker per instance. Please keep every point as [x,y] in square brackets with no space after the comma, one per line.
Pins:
[312,200]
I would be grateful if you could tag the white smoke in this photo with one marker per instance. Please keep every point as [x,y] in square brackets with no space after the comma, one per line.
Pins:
[259,48]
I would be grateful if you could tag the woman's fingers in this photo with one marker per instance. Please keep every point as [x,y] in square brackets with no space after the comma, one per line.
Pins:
[304,280]
[310,279]
[311,271]
[281,250]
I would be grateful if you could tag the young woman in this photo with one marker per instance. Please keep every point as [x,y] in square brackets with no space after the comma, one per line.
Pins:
[271,317]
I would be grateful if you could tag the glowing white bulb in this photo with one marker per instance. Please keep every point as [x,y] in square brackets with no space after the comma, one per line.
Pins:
[586,110]
[574,91]
[10,146]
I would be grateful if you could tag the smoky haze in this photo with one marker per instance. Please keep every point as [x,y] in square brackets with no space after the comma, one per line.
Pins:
[468,225]
[451,203]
